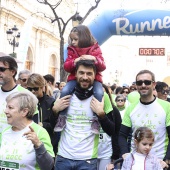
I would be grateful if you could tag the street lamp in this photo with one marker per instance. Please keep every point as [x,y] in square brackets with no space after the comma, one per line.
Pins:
[76,19]
[13,36]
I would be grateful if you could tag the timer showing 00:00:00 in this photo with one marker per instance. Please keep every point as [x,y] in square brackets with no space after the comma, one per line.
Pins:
[152,51]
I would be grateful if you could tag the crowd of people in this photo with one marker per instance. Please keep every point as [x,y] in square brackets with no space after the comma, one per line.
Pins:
[82,123]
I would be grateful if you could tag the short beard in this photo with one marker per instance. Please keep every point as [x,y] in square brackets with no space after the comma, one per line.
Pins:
[82,87]
[2,83]
[144,95]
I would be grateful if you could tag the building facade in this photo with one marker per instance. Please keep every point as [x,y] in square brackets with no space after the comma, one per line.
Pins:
[43,49]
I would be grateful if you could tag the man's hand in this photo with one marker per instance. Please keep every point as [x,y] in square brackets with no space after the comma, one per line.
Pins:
[97,107]
[109,167]
[164,164]
[124,155]
[31,135]
[61,104]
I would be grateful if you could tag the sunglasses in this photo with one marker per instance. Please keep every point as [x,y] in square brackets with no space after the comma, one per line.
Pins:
[119,100]
[146,82]
[33,88]
[126,92]
[165,91]
[23,80]
[2,69]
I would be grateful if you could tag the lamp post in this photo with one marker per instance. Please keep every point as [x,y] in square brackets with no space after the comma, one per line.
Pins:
[76,19]
[13,36]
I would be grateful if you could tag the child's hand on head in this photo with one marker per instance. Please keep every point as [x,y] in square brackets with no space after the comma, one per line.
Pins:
[88,57]
[77,59]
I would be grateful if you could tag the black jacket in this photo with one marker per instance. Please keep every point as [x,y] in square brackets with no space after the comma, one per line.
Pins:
[46,116]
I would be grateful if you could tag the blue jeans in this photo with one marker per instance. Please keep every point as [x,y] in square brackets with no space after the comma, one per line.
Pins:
[69,89]
[98,90]
[69,164]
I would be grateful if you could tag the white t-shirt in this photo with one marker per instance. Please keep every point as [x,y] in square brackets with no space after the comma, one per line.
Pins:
[156,116]
[105,141]
[105,146]
[18,153]
[139,161]
[77,140]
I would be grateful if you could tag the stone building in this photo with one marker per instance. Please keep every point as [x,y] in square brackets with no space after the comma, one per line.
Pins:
[42,48]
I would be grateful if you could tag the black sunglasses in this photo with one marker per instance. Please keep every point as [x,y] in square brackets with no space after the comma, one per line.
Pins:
[33,88]
[2,69]
[165,91]
[23,80]
[119,100]
[146,82]
[126,92]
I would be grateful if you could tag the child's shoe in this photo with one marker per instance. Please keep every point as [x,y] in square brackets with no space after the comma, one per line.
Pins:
[61,123]
[95,126]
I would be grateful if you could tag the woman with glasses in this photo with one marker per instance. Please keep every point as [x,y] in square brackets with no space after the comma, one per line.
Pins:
[38,86]
[132,88]
[23,77]
[125,91]
[120,103]
[162,90]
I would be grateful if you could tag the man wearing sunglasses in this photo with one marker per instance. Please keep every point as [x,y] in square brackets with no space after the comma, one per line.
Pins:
[23,77]
[8,71]
[151,112]
[162,90]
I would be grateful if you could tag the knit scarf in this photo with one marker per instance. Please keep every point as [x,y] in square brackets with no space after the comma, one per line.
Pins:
[83,94]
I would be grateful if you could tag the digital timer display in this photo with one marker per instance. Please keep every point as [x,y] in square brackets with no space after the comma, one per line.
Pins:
[152,51]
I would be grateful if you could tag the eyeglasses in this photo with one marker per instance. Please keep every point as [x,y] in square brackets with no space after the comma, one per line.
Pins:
[146,82]
[23,80]
[2,69]
[165,91]
[33,88]
[126,92]
[120,100]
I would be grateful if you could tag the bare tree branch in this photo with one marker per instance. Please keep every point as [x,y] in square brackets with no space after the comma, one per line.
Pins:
[62,27]
[43,15]
[90,10]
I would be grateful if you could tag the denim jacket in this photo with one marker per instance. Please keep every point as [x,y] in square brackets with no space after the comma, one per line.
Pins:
[150,162]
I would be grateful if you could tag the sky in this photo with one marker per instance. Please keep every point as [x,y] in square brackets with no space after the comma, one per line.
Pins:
[121,52]
[123,4]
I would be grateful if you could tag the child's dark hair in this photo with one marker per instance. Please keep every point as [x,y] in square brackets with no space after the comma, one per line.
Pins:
[143,132]
[85,37]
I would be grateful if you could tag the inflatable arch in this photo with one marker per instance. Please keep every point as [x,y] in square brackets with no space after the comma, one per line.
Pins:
[150,22]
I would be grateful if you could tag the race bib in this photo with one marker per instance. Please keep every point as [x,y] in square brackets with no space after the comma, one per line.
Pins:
[102,137]
[5,165]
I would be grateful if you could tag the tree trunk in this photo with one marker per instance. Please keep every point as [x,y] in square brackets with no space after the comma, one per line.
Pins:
[63,73]
[62,26]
